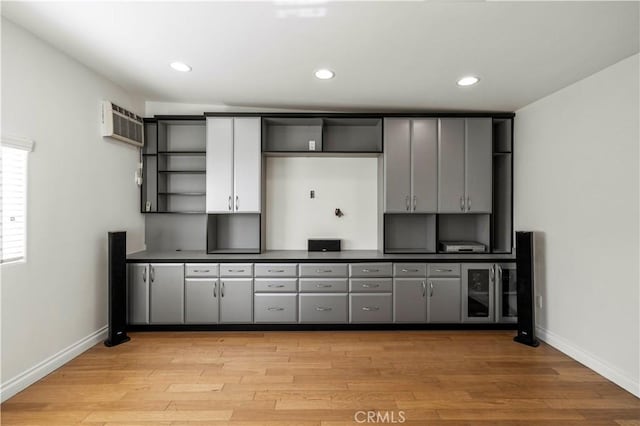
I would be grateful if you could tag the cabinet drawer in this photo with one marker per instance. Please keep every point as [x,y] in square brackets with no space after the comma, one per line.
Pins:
[274,308]
[236,270]
[410,270]
[370,270]
[328,270]
[283,285]
[444,270]
[370,285]
[201,270]
[269,270]
[323,308]
[370,307]
[323,285]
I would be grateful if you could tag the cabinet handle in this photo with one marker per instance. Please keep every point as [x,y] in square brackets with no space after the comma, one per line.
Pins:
[201,270]
[323,308]
[144,275]
[323,271]
[152,274]
[410,270]
[468,203]
[236,203]
[229,202]
[406,200]
[370,308]
[215,288]
[235,270]
[492,273]
[278,271]
[430,288]
[444,270]
[222,289]
[415,200]
[370,270]
[275,285]
[462,203]
[424,289]
[275,308]
[370,285]
[499,269]
[324,285]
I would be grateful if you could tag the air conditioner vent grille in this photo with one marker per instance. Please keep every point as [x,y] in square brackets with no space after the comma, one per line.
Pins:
[121,124]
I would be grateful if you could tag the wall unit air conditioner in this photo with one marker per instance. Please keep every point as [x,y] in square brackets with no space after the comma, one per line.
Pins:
[120,124]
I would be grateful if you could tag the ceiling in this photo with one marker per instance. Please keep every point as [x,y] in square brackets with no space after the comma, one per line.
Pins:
[386,55]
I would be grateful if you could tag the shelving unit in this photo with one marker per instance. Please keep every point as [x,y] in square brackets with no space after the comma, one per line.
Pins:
[502,217]
[409,233]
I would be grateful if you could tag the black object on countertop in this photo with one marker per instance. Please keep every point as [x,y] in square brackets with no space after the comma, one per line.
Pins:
[324,245]
[117,289]
[525,284]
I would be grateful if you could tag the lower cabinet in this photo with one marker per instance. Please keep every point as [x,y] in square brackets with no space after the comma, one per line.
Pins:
[201,301]
[370,308]
[166,293]
[276,308]
[478,292]
[324,308]
[409,300]
[138,293]
[236,296]
[443,302]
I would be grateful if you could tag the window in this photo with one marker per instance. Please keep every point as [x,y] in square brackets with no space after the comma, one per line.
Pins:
[13,190]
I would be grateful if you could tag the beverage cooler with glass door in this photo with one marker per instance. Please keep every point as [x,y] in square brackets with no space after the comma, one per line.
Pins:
[489,293]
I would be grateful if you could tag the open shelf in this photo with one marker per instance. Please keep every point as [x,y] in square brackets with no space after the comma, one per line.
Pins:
[465,227]
[233,233]
[352,135]
[502,135]
[183,171]
[291,134]
[182,135]
[185,153]
[502,220]
[409,233]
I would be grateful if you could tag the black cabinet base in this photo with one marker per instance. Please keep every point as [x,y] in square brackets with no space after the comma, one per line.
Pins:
[121,337]
[526,341]
[316,327]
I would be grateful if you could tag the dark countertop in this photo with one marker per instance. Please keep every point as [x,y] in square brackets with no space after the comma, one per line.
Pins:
[304,256]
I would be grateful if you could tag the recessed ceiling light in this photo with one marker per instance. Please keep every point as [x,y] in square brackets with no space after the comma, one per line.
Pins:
[468,81]
[324,74]
[180,66]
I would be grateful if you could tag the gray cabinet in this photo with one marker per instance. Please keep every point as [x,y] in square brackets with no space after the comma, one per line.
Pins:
[323,308]
[370,308]
[465,165]
[166,293]
[409,300]
[410,165]
[443,302]
[201,300]
[138,293]
[478,292]
[236,296]
[276,308]
[234,164]
[506,293]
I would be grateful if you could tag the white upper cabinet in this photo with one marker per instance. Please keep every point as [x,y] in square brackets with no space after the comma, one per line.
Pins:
[234,165]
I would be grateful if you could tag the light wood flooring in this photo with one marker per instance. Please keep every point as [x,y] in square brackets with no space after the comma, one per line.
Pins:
[322,379]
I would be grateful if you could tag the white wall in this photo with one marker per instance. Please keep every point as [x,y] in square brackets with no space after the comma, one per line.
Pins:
[576,171]
[79,187]
[350,184]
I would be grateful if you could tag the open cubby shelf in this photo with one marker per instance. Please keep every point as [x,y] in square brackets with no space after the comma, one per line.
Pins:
[409,233]
[465,227]
[233,233]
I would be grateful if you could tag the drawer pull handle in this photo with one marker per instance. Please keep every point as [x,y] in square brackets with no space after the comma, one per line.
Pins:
[370,285]
[324,271]
[371,270]
[444,270]
[370,308]
[323,309]
[235,270]
[410,270]
[275,285]
[201,270]
[275,308]
[276,271]
[324,285]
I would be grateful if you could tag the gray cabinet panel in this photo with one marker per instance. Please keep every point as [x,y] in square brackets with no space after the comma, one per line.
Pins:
[370,285]
[409,270]
[247,164]
[323,285]
[201,270]
[319,270]
[323,308]
[138,293]
[236,270]
[478,165]
[424,165]
[397,165]
[236,295]
[410,300]
[443,303]
[269,270]
[451,165]
[281,285]
[276,308]
[366,308]
[370,270]
[219,187]
[166,293]
[201,301]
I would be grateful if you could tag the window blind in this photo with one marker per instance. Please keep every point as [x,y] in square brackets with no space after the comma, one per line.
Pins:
[13,205]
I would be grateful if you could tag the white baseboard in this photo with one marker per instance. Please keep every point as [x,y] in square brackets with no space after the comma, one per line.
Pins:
[593,362]
[40,370]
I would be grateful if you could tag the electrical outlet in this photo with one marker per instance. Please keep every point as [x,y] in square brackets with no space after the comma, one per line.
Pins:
[312,145]
[539,300]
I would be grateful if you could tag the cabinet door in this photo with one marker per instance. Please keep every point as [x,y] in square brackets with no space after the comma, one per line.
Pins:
[444,300]
[397,165]
[247,165]
[409,300]
[478,165]
[424,165]
[166,293]
[477,292]
[236,300]
[451,166]
[138,293]
[201,301]
[506,293]
[219,165]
